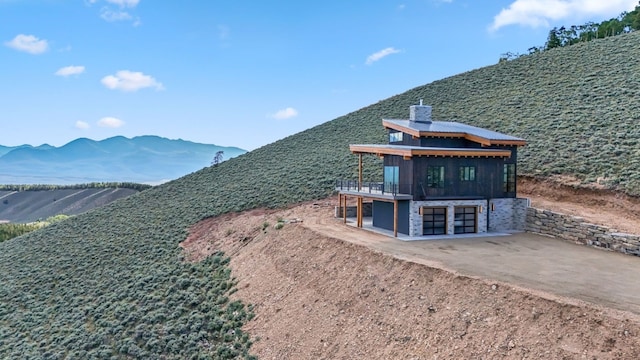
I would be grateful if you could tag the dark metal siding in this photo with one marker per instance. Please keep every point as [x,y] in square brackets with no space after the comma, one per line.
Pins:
[406,139]
[383,215]
[405,172]
[487,183]
[448,142]
[489,171]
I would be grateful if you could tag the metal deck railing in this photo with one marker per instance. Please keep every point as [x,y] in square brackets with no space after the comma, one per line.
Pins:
[373,187]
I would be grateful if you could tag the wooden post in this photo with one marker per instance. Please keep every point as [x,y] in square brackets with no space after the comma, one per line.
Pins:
[395,218]
[359,171]
[344,209]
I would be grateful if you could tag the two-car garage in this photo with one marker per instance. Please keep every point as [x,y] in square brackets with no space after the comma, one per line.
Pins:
[435,220]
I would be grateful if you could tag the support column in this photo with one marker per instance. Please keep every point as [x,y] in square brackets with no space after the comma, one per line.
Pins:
[395,218]
[344,209]
[359,171]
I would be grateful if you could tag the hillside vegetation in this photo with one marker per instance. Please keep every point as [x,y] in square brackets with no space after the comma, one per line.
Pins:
[112,282]
[9,231]
[28,203]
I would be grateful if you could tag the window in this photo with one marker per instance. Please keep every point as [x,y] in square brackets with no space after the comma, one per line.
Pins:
[391,179]
[395,137]
[509,179]
[435,176]
[467,173]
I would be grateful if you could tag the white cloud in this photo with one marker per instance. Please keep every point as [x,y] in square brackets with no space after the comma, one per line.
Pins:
[115,11]
[124,3]
[82,125]
[380,54]
[223,32]
[110,122]
[28,43]
[286,113]
[126,80]
[111,16]
[536,13]
[70,70]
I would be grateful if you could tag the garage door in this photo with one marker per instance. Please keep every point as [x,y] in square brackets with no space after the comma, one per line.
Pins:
[434,220]
[465,220]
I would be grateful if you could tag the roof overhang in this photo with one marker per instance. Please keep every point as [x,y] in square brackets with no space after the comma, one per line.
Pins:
[408,152]
[478,139]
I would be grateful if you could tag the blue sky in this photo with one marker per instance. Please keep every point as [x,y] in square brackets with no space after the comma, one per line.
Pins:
[243,73]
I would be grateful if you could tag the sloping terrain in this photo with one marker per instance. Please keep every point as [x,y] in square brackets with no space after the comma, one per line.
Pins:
[28,206]
[112,282]
[142,159]
[320,297]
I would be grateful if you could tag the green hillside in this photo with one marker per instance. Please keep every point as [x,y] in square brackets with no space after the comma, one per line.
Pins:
[112,283]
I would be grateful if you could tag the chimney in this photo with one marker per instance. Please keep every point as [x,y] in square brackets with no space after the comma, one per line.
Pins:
[420,113]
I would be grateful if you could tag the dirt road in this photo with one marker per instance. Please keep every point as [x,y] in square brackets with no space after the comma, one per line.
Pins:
[526,260]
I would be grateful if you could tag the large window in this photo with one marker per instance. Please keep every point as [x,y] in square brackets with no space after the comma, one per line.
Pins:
[395,137]
[467,173]
[509,180]
[391,179]
[435,176]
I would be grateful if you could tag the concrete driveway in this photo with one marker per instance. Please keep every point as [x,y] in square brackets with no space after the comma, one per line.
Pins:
[527,260]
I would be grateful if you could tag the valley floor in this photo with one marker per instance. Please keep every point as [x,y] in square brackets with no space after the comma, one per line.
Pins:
[328,291]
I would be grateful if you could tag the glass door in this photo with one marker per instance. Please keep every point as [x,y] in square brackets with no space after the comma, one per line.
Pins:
[465,220]
[391,179]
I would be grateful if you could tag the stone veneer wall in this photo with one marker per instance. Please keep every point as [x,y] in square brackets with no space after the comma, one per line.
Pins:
[353,210]
[506,214]
[575,229]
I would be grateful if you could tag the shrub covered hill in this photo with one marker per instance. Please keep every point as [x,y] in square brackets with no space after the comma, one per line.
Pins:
[112,283]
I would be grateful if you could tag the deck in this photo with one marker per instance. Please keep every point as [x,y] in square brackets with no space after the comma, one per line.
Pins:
[378,190]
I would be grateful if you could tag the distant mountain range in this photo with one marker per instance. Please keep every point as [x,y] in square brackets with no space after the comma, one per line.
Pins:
[142,159]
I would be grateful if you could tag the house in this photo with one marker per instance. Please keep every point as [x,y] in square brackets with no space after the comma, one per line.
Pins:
[439,178]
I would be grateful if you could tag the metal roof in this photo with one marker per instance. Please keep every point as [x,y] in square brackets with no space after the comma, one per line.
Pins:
[448,127]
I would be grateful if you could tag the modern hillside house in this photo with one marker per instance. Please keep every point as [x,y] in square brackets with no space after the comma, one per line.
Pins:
[439,178]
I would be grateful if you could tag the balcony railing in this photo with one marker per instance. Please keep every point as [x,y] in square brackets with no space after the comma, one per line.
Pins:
[370,187]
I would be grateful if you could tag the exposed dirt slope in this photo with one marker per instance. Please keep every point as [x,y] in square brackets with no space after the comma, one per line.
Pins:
[598,206]
[318,297]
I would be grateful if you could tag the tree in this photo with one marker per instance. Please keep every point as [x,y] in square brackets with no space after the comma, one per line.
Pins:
[553,41]
[217,159]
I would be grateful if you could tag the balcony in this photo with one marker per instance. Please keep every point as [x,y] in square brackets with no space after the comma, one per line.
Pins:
[375,189]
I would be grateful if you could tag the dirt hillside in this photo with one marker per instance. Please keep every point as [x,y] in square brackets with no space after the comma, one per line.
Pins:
[598,206]
[317,297]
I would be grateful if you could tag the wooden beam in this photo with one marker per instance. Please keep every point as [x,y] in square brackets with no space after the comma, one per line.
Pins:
[408,152]
[359,171]
[410,131]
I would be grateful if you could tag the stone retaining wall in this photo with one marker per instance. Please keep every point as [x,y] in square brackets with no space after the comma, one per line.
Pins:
[574,228]
[352,210]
